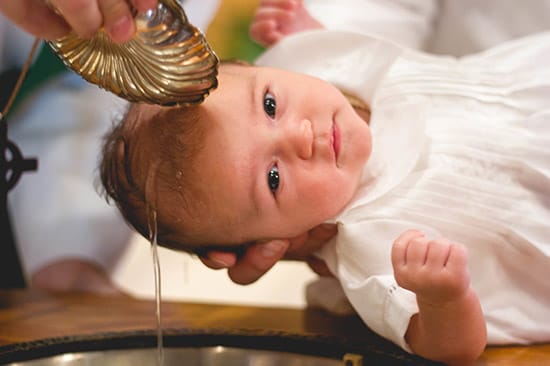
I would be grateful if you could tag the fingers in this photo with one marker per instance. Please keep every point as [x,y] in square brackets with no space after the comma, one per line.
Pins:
[304,246]
[323,232]
[35,17]
[265,33]
[400,246]
[319,266]
[269,19]
[279,12]
[279,4]
[84,17]
[457,261]
[425,253]
[143,5]
[219,260]
[412,248]
[458,256]
[434,269]
[117,20]
[260,257]
[257,260]
[438,253]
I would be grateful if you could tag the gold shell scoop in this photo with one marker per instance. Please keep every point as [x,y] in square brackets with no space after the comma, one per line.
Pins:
[167,62]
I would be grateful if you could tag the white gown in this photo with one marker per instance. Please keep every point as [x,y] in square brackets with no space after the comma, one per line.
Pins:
[461,149]
[445,27]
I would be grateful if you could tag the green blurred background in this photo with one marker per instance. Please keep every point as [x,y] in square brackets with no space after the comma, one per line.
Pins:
[228,32]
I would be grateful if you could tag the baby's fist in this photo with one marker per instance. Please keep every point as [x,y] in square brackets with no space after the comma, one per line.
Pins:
[435,270]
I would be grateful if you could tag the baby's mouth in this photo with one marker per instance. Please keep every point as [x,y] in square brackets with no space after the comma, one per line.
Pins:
[336,140]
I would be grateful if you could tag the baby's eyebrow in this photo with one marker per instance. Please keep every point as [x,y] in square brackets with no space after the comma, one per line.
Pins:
[253,183]
[253,87]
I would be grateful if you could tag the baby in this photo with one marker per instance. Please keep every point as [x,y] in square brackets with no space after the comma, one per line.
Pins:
[441,196]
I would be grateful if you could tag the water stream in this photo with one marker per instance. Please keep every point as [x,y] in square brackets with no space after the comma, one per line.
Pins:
[156,269]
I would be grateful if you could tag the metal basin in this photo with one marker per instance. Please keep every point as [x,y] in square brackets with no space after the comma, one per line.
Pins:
[206,347]
[203,356]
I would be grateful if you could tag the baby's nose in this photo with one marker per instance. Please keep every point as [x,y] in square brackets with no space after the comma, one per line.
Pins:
[302,139]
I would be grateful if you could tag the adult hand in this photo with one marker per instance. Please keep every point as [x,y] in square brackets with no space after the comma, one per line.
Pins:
[84,17]
[260,257]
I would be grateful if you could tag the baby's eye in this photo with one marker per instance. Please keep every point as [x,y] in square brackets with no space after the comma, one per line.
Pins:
[273,179]
[270,105]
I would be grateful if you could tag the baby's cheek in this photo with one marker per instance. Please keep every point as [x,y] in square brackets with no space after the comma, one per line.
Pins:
[331,201]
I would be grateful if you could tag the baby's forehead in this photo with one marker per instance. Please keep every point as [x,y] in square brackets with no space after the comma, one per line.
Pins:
[143,111]
[236,68]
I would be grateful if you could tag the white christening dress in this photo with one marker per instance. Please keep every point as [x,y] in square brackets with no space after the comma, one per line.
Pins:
[461,149]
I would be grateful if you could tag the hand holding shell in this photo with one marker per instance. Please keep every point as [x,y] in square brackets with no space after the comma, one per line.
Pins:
[167,62]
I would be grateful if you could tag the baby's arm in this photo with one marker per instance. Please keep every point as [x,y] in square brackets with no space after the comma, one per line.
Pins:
[275,19]
[449,326]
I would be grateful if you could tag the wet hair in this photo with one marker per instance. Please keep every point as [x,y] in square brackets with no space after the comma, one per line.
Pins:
[148,165]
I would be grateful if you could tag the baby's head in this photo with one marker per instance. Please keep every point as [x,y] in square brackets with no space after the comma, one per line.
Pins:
[270,154]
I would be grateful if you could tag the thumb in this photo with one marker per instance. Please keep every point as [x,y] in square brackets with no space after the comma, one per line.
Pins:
[35,17]
[323,232]
[258,259]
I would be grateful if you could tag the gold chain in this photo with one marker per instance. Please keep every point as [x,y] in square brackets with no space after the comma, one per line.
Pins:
[22,75]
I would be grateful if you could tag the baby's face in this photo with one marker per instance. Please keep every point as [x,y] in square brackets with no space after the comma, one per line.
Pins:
[283,153]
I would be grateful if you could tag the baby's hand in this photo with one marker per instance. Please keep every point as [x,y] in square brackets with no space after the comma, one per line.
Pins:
[435,270]
[275,19]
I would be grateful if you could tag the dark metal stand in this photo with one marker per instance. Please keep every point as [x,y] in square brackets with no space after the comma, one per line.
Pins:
[12,165]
